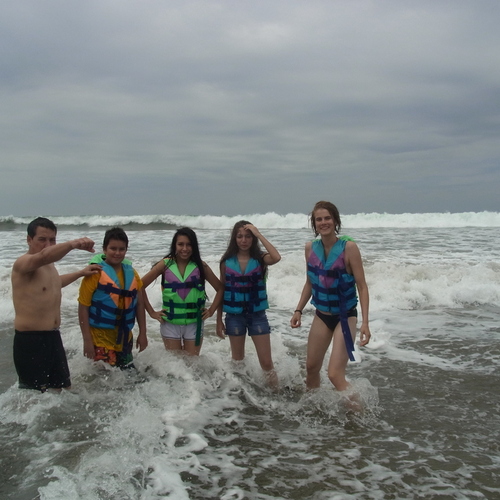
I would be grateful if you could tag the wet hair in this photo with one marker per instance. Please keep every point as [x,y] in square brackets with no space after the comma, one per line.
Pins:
[332,209]
[195,256]
[40,222]
[255,250]
[115,233]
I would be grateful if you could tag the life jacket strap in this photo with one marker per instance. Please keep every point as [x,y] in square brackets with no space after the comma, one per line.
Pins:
[344,323]
[176,286]
[110,288]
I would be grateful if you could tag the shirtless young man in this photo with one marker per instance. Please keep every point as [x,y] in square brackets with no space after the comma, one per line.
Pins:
[39,355]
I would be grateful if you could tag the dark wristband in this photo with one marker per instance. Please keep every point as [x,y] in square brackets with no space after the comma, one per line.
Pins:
[298,311]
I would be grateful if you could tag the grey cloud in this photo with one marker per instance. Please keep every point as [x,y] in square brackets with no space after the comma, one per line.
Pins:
[248,106]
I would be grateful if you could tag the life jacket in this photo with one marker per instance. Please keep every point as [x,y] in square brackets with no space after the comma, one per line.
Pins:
[333,288]
[105,310]
[244,291]
[183,296]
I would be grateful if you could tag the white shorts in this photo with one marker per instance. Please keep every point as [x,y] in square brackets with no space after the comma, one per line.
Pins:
[179,332]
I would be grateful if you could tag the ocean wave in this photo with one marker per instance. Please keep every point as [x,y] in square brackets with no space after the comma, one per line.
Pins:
[270,220]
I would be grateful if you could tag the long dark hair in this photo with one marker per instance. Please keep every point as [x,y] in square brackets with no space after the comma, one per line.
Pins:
[195,256]
[255,250]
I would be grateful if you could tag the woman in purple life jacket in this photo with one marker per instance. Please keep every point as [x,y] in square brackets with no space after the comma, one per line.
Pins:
[183,293]
[243,272]
[334,272]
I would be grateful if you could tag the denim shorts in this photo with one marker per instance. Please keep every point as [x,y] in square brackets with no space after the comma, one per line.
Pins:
[256,324]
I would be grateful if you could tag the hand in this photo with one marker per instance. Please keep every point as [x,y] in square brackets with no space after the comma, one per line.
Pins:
[252,229]
[296,320]
[221,329]
[84,244]
[141,342]
[365,335]
[158,316]
[88,349]
[206,314]
[91,269]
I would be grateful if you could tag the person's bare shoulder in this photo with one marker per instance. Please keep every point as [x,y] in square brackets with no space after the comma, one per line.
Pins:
[308,249]
[351,247]
[349,244]
[206,267]
[25,264]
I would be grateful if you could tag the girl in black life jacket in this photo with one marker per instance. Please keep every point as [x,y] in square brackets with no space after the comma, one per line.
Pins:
[243,270]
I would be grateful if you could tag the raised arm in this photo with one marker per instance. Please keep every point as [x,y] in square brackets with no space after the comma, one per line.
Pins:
[31,262]
[66,279]
[272,256]
[151,275]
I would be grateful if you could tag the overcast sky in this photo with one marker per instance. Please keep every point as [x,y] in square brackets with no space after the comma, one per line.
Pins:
[247,106]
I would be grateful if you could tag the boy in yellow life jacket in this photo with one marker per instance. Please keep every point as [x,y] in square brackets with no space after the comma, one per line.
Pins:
[109,304]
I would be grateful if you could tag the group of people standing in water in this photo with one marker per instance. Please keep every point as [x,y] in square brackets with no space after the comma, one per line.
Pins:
[113,299]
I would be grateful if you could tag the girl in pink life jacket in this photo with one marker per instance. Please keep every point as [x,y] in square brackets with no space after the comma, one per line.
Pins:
[183,293]
[243,272]
[334,273]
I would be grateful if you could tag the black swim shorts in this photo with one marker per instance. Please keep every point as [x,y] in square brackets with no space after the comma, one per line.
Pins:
[332,320]
[40,360]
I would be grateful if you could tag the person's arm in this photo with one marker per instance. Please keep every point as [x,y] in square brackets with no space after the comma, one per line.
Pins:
[30,262]
[157,315]
[356,264]
[88,343]
[220,327]
[66,279]
[296,320]
[147,279]
[219,289]
[153,273]
[272,256]
[140,316]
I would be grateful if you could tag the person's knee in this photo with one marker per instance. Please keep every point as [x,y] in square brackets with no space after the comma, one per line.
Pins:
[337,378]
[313,367]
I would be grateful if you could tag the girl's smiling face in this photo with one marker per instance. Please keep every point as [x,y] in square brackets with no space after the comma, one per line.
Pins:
[323,221]
[183,248]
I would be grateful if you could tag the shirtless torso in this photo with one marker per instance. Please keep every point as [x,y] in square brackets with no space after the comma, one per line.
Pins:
[36,292]
[37,299]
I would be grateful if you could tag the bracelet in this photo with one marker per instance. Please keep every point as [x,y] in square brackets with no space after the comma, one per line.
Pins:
[298,311]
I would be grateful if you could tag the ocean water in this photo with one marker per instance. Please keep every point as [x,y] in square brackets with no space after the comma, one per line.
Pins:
[207,428]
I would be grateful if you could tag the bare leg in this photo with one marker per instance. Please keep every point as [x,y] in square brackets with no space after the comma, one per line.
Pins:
[192,349]
[263,347]
[339,357]
[172,344]
[317,344]
[237,346]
